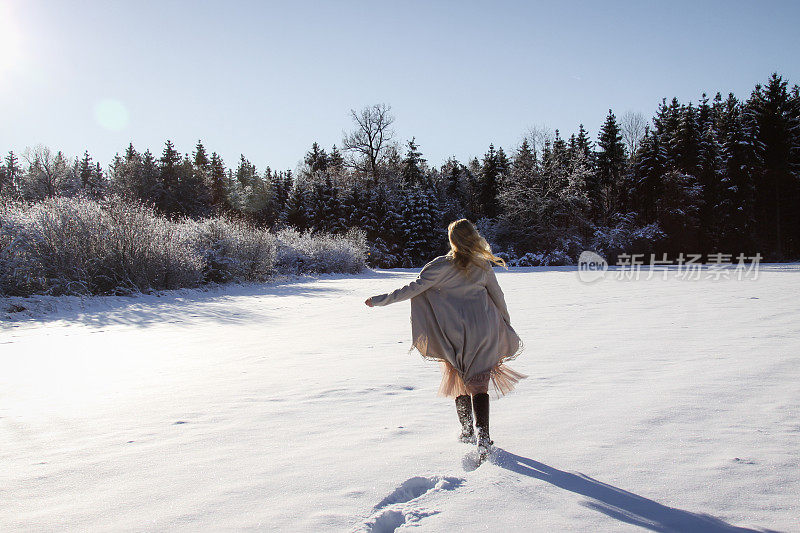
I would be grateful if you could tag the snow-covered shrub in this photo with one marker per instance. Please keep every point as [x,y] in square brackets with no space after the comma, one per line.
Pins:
[12,262]
[293,257]
[141,250]
[380,255]
[304,252]
[565,252]
[341,253]
[529,259]
[232,250]
[626,237]
[78,246]
[557,258]
[552,258]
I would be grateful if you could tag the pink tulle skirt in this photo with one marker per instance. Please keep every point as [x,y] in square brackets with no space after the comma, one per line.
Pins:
[501,377]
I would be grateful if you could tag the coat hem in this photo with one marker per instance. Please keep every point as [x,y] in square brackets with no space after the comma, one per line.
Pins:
[502,378]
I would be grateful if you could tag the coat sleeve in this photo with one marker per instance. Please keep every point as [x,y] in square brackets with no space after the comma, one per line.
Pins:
[496,294]
[428,277]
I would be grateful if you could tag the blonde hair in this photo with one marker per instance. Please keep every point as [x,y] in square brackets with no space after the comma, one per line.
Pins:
[468,247]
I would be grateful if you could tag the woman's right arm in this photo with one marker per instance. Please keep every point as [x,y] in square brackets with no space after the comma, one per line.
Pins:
[428,277]
[496,294]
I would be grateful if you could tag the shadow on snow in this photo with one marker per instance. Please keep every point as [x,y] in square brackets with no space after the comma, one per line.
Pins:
[210,302]
[617,503]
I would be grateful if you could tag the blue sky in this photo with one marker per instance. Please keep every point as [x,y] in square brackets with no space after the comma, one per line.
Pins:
[267,79]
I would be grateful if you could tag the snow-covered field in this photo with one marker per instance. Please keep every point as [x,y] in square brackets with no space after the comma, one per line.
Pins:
[669,405]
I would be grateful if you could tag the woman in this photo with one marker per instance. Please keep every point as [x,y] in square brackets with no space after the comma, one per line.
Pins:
[459,317]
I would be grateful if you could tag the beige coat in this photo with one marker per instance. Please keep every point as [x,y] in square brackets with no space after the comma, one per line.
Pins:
[458,317]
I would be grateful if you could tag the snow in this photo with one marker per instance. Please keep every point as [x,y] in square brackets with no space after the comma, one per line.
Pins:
[668,405]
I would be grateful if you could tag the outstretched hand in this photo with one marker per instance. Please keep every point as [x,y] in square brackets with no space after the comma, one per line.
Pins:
[368,302]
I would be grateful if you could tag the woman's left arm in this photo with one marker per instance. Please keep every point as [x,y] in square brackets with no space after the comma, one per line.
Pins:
[428,277]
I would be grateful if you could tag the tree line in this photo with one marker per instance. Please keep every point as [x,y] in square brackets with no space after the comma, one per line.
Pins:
[718,176]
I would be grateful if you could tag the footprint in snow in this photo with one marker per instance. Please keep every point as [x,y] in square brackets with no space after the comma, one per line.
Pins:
[389,520]
[401,506]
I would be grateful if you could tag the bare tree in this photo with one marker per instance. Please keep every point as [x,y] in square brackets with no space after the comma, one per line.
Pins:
[632,130]
[537,136]
[370,138]
[48,175]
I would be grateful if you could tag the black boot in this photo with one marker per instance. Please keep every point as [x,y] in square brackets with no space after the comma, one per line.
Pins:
[480,402]
[464,409]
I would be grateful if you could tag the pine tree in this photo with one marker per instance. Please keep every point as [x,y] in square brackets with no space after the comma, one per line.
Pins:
[574,196]
[316,159]
[288,184]
[556,158]
[524,162]
[218,184]
[201,160]
[5,182]
[412,165]
[391,241]
[686,141]
[503,165]
[669,133]
[85,168]
[296,209]
[735,215]
[336,161]
[130,153]
[522,193]
[677,211]
[281,187]
[650,166]
[151,184]
[774,115]
[315,207]
[259,202]
[412,244]
[489,177]
[717,110]
[583,144]
[419,226]
[705,115]
[374,211]
[13,173]
[558,192]
[454,172]
[472,189]
[606,186]
[169,170]
[191,194]
[243,183]
[124,175]
[91,181]
[352,205]
[328,212]
[101,178]
[708,173]
[246,173]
